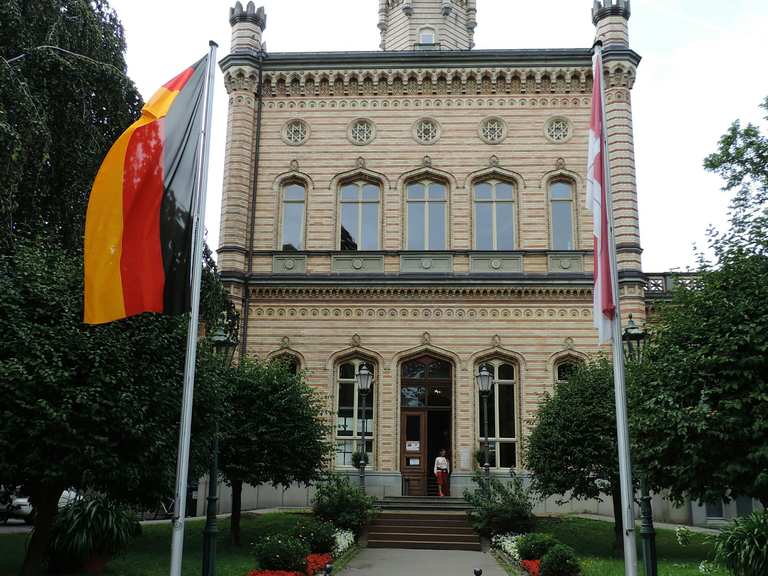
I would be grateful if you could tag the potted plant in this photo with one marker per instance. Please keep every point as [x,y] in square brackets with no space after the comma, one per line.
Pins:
[88,533]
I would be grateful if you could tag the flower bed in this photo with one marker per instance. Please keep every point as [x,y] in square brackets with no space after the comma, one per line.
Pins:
[315,562]
[537,554]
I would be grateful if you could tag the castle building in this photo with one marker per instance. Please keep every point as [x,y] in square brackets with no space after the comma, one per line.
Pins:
[421,210]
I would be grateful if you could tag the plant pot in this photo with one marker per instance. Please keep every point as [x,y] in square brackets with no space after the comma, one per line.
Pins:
[531,566]
[96,564]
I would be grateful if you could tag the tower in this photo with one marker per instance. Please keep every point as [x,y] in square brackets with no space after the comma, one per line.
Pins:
[427,24]
[611,20]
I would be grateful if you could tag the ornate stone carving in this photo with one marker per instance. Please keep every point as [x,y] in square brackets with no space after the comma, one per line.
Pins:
[242,79]
[496,341]
[569,343]
[285,342]
[426,338]
[294,165]
[560,164]
[493,161]
[360,162]
[355,340]
[426,162]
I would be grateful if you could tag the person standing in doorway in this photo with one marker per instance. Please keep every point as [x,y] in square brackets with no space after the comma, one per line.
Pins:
[442,469]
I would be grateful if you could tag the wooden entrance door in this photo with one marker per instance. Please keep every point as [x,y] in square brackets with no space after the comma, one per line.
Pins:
[413,450]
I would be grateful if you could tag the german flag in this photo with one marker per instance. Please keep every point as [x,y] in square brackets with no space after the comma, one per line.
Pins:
[138,228]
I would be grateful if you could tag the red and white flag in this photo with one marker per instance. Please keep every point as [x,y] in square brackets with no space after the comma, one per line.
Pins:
[597,193]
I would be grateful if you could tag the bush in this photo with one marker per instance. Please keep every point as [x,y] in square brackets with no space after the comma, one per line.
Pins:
[282,553]
[560,560]
[499,507]
[319,535]
[342,503]
[92,527]
[535,546]
[743,547]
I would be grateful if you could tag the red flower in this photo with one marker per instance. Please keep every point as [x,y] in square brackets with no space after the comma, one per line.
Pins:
[272,573]
[531,566]
[316,563]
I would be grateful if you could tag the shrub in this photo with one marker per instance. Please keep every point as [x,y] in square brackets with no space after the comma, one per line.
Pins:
[319,535]
[282,553]
[534,546]
[560,560]
[743,547]
[499,507]
[346,505]
[93,526]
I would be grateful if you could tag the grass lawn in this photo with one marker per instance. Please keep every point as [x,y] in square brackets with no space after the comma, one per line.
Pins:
[593,542]
[149,555]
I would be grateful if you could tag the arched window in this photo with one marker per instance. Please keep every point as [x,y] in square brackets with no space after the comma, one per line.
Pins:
[503,423]
[564,368]
[427,39]
[291,361]
[561,214]
[293,198]
[427,210]
[360,215]
[495,215]
[349,416]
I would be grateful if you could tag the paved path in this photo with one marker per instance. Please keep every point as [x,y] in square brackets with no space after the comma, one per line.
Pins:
[396,562]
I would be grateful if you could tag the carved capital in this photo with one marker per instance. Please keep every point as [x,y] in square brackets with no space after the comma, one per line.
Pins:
[241,79]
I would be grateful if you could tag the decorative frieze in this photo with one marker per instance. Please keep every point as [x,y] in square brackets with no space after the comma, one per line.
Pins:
[426,263]
[565,263]
[289,264]
[357,264]
[496,263]
[463,102]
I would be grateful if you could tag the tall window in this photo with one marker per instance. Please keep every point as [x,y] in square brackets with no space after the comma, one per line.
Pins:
[294,196]
[349,417]
[360,202]
[561,214]
[427,228]
[494,215]
[502,415]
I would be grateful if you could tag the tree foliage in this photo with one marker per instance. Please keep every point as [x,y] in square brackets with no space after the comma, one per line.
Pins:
[64,98]
[275,430]
[572,449]
[703,407]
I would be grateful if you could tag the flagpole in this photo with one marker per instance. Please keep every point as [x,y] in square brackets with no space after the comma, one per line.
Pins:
[198,225]
[622,424]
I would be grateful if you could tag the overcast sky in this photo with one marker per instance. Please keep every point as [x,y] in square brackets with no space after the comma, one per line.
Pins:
[703,67]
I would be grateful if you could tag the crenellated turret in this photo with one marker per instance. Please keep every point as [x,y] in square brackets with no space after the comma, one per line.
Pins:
[248,25]
[611,19]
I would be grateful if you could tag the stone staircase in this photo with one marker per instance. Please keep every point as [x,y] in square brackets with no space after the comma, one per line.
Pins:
[423,523]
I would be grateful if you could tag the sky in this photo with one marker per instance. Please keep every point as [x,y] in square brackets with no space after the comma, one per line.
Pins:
[703,67]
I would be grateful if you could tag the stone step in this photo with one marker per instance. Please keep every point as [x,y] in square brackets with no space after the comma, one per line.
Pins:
[426,545]
[428,536]
[419,524]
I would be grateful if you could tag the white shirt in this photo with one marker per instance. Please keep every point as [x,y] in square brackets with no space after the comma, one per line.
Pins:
[442,462]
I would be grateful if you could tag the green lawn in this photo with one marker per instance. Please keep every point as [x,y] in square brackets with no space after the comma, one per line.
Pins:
[593,542]
[149,555]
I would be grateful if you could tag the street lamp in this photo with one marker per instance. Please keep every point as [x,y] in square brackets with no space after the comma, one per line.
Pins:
[635,338]
[224,347]
[485,383]
[363,380]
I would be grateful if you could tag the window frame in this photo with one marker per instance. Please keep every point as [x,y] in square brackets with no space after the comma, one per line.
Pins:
[356,436]
[361,181]
[281,238]
[562,361]
[515,209]
[494,439]
[425,181]
[550,201]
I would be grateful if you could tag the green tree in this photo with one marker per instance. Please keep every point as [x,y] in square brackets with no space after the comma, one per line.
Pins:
[64,98]
[572,448]
[275,430]
[704,404]
[89,407]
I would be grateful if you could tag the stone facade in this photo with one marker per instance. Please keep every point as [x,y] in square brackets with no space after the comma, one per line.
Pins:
[453,116]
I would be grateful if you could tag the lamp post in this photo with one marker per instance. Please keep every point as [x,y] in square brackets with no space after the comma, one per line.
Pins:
[634,339]
[363,380]
[224,346]
[485,383]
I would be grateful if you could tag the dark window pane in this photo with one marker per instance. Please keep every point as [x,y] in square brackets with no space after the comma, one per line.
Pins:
[293,216]
[506,411]
[743,505]
[491,453]
[437,226]
[413,428]
[564,371]
[440,369]
[413,396]
[505,226]
[414,369]
[439,395]
[562,226]
[504,191]
[415,192]
[507,455]
[714,509]
[483,191]
[370,227]
[347,371]
[368,415]
[416,226]
[483,226]
[349,240]
[345,415]
[491,416]
[506,372]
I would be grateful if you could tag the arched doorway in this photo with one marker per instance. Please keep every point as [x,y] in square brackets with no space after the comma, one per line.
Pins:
[426,392]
